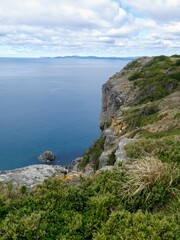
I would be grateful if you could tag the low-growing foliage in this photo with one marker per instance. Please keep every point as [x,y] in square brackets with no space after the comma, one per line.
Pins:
[93,209]
[139,225]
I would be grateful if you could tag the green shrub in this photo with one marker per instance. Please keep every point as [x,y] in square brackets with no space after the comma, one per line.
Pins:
[135,76]
[141,226]
[91,209]
[176,56]
[170,132]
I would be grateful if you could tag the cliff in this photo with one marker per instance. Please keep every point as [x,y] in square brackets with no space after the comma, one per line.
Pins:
[139,103]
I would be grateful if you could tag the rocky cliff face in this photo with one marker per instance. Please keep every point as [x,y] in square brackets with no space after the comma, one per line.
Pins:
[135,104]
[119,92]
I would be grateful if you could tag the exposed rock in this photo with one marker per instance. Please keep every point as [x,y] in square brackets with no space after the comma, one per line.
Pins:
[31,175]
[46,157]
[104,158]
[89,171]
[110,136]
[106,168]
[120,152]
[74,165]
[118,91]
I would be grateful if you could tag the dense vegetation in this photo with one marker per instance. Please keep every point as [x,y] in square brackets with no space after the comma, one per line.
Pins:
[111,205]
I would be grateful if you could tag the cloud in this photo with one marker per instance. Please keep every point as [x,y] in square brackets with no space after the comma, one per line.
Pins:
[159,10]
[88,27]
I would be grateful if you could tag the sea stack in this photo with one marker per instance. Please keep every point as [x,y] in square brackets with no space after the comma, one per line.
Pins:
[47,157]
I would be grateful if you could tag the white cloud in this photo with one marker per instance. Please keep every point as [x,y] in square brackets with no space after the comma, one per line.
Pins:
[161,10]
[95,27]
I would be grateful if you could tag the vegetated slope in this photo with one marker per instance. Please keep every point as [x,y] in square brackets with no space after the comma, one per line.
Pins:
[139,197]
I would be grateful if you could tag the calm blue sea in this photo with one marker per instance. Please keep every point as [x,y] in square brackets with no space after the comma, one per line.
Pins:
[50,104]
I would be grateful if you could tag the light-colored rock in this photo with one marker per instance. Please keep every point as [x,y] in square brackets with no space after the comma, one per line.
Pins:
[31,175]
[75,163]
[104,158]
[110,136]
[89,170]
[106,168]
[120,152]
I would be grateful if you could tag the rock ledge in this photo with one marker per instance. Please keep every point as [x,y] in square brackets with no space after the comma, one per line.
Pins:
[31,175]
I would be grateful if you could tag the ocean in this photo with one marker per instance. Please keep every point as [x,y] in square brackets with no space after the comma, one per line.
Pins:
[50,104]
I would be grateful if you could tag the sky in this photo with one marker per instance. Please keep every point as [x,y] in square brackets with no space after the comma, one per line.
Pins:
[106,28]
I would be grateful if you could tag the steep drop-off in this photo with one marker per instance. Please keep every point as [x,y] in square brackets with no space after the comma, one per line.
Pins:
[139,103]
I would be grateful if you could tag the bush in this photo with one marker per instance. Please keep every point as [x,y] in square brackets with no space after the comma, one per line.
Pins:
[135,76]
[91,209]
[142,226]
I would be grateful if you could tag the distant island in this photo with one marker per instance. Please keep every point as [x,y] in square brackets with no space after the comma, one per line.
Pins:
[93,57]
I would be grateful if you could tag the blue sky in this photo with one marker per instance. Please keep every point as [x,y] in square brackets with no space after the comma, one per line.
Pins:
[34,28]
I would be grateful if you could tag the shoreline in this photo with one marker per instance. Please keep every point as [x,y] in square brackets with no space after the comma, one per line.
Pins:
[31,175]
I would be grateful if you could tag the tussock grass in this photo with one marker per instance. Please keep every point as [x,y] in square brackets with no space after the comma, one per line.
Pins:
[144,174]
[150,185]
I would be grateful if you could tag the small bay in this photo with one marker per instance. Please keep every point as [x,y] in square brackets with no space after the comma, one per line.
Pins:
[50,104]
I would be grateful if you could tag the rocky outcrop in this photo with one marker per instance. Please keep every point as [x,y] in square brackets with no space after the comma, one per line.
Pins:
[47,157]
[118,91]
[120,152]
[104,158]
[31,175]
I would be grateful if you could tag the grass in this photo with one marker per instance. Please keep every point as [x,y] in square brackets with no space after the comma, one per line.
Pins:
[150,185]
[166,149]
[170,132]
[147,172]
[138,117]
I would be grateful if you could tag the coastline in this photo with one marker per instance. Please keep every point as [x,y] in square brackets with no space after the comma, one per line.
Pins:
[31,175]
